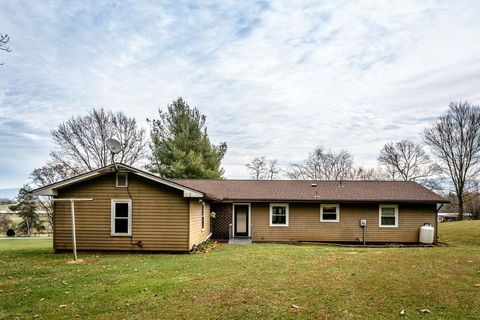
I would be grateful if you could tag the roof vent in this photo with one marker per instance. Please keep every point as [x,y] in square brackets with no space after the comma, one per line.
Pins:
[314,185]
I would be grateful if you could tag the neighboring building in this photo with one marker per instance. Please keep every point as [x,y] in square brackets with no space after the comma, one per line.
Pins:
[451,216]
[135,210]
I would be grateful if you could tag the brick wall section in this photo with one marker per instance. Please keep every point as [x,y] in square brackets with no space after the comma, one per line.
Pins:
[222,220]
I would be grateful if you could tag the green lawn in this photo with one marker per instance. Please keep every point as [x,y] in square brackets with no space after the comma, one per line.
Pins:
[258,281]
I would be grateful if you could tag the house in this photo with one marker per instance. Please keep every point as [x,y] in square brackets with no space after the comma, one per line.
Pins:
[131,209]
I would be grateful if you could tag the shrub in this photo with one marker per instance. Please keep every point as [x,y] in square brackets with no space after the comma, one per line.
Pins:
[10,233]
[205,246]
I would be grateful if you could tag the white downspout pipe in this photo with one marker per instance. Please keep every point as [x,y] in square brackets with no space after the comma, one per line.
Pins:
[74,235]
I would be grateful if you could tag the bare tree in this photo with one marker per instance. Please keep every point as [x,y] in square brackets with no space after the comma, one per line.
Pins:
[323,164]
[407,161]
[258,168]
[81,141]
[272,170]
[454,140]
[472,200]
[262,169]
[472,205]
[4,40]
[49,174]
[81,147]
[361,173]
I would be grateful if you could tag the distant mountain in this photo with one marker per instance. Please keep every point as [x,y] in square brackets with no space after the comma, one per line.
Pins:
[9,193]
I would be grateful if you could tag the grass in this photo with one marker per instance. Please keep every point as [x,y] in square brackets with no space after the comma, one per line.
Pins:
[4,207]
[244,282]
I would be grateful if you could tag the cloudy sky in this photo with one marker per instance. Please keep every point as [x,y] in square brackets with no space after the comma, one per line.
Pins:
[273,78]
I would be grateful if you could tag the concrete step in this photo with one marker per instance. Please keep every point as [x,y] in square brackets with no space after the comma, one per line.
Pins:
[240,241]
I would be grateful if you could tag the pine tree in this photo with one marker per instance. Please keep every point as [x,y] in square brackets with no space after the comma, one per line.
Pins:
[26,209]
[180,145]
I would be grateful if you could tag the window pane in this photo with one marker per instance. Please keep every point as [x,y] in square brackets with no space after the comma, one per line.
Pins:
[388,211]
[329,216]
[330,209]
[241,223]
[121,225]
[388,221]
[279,219]
[279,210]
[122,179]
[121,210]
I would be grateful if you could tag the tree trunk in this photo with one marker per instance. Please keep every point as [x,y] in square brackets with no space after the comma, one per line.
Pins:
[460,206]
[28,227]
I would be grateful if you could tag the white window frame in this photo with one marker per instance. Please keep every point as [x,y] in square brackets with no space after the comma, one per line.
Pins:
[126,179]
[113,202]
[286,214]
[202,217]
[337,207]
[380,207]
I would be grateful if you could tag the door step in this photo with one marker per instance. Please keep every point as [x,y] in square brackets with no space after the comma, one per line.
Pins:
[240,241]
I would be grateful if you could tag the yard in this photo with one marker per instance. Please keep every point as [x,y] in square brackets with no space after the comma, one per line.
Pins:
[258,281]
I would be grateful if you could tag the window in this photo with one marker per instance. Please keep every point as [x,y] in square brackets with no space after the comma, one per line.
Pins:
[203,215]
[121,217]
[279,215]
[329,213]
[388,216]
[122,179]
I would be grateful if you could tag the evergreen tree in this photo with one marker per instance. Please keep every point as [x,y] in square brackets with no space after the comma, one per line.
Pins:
[26,209]
[180,145]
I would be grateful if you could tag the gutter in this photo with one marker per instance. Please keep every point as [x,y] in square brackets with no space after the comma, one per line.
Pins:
[333,201]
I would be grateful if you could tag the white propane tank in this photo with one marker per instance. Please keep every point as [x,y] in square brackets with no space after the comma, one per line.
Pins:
[426,234]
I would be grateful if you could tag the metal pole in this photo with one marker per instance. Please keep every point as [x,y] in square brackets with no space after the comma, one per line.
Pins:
[72,207]
[74,236]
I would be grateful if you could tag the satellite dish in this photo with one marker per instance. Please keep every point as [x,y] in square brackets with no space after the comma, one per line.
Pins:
[114,145]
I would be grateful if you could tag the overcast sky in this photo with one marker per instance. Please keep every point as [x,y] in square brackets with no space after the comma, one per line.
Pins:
[273,78]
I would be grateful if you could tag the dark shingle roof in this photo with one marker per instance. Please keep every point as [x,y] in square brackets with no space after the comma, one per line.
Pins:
[301,190]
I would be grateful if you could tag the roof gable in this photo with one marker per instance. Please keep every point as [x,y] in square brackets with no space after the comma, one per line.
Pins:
[51,190]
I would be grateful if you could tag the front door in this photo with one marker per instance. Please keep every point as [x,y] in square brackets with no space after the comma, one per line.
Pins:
[241,220]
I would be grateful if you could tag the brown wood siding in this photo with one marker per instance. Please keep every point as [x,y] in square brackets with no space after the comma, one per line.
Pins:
[197,234]
[160,216]
[305,225]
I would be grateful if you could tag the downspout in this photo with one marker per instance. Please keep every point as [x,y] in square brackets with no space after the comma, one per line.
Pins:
[189,224]
[363,235]
[139,243]
[436,221]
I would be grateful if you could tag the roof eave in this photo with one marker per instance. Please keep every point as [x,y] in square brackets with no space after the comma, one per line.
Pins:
[51,190]
[334,200]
